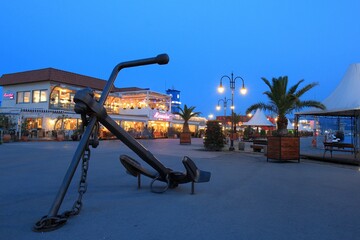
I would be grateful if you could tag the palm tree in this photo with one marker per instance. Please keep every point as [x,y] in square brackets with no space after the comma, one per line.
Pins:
[237,119]
[283,100]
[187,113]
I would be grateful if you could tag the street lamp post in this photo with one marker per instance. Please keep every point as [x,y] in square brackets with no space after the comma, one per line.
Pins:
[225,106]
[243,90]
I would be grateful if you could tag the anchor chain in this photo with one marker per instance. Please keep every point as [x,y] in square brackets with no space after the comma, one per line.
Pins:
[94,142]
[50,223]
[75,210]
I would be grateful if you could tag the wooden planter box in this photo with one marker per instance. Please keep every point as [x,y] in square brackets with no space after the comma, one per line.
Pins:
[60,137]
[283,148]
[24,138]
[185,138]
[6,138]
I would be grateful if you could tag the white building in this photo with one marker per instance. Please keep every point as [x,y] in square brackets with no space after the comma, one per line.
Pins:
[41,101]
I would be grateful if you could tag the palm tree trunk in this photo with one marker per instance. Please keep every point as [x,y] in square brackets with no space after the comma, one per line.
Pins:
[282,123]
[186,128]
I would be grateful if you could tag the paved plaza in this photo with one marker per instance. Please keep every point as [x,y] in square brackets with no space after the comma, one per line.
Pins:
[246,198]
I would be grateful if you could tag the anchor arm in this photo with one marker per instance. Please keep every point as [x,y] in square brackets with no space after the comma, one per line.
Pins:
[134,145]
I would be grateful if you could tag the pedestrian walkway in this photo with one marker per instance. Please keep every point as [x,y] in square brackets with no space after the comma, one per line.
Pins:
[247,197]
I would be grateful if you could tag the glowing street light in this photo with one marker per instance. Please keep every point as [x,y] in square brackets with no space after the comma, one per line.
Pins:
[243,91]
[225,106]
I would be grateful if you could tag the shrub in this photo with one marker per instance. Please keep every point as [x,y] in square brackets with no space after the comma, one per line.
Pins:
[214,137]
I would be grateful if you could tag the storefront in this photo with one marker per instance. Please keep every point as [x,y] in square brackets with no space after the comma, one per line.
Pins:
[196,124]
[159,123]
[42,103]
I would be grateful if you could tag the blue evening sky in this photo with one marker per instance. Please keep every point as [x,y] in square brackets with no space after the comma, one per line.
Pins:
[314,40]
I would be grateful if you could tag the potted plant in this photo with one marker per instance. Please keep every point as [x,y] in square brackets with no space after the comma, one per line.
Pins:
[186,114]
[24,132]
[76,135]
[60,135]
[6,125]
[25,135]
[6,138]
[283,101]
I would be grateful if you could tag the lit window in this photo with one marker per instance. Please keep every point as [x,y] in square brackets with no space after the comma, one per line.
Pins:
[26,97]
[23,97]
[39,96]
[20,97]
[43,95]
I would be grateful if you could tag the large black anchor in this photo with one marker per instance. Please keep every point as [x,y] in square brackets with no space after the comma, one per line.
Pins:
[92,113]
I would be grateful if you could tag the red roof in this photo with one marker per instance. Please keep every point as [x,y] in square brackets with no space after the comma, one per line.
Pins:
[57,76]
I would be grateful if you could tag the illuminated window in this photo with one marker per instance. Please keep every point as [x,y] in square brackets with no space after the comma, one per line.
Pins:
[23,97]
[33,123]
[39,96]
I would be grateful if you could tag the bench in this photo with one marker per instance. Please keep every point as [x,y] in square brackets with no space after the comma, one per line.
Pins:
[339,147]
[258,145]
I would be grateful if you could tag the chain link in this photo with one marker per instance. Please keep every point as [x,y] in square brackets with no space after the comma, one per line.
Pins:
[51,223]
[75,210]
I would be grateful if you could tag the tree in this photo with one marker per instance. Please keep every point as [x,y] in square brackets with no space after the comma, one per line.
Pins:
[283,101]
[214,137]
[236,118]
[6,123]
[187,113]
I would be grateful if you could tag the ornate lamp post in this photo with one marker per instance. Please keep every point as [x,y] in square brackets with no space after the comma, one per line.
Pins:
[243,91]
[225,106]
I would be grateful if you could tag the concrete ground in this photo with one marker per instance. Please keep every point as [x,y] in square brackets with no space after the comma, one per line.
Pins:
[247,197]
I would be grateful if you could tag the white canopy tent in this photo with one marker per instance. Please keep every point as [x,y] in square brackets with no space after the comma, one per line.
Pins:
[259,120]
[344,101]
[290,125]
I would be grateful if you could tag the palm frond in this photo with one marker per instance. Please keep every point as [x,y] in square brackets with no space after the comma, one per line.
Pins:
[305,89]
[261,106]
[310,103]
[282,100]
[187,112]
[293,89]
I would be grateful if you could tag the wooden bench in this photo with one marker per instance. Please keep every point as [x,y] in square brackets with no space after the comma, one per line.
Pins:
[339,147]
[258,145]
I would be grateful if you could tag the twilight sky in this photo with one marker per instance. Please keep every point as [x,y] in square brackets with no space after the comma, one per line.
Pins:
[314,40]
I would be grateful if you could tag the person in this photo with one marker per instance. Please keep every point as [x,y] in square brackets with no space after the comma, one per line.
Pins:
[327,137]
[313,142]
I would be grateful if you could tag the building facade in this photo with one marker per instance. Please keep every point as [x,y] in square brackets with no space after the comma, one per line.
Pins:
[41,102]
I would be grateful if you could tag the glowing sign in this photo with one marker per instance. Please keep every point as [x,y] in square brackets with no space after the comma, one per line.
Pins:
[9,95]
[164,116]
